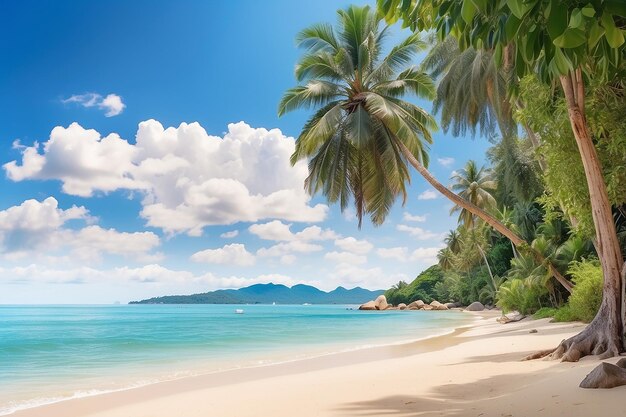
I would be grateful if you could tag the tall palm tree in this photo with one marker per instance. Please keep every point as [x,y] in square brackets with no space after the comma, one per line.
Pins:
[474,184]
[445,258]
[362,135]
[453,241]
[472,90]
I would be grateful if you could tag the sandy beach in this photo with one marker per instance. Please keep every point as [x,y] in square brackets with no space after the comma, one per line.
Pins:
[475,371]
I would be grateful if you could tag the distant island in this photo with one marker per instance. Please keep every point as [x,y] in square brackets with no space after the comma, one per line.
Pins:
[270,293]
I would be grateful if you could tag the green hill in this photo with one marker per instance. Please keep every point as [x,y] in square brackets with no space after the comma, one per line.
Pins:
[421,288]
[270,293]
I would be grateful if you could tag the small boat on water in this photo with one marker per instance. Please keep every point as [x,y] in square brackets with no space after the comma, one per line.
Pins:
[238,311]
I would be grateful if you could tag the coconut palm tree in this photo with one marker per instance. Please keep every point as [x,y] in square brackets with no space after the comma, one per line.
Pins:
[471,90]
[363,135]
[453,241]
[474,184]
[445,258]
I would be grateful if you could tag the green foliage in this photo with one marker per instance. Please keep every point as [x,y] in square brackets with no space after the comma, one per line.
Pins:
[475,184]
[362,130]
[521,295]
[544,313]
[549,36]
[499,256]
[564,314]
[423,287]
[587,295]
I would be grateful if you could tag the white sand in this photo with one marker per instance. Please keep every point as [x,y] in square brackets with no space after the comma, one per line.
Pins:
[474,372]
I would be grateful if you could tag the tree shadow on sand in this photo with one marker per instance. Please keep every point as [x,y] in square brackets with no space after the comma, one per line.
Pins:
[446,400]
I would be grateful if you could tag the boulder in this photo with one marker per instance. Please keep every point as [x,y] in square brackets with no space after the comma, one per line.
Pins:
[370,305]
[475,306]
[451,305]
[412,308]
[416,304]
[427,307]
[436,305]
[381,302]
[402,306]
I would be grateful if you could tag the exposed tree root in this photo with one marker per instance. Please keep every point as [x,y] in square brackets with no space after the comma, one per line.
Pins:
[606,375]
[596,339]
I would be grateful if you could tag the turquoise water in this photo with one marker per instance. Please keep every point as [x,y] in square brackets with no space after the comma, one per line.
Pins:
[51,353]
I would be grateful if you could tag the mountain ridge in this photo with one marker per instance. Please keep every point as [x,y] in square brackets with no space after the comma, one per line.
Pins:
[270,293]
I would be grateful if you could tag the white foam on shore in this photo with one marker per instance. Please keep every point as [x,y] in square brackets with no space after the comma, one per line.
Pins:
[13,407]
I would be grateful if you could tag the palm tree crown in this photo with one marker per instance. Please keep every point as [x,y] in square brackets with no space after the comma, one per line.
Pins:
[474,184]
[357,138]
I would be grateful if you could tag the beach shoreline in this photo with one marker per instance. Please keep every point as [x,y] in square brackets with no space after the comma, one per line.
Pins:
[369,381]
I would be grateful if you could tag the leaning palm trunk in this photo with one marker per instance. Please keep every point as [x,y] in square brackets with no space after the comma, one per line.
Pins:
[486,217]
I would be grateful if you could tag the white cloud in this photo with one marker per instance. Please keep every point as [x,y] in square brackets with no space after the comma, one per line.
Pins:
[152,274]
[274,230]
[279,231]
[418,232]
[288,248]
[408,217]
[350,244]
[345,257]
[428,195]
[34,227]
[189,179]
[399,254]
[426,255]
[112,104]
[233,254]
[230,235]
[446,161]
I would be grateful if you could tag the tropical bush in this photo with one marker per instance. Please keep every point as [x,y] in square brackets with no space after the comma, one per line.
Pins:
[587,295]
[521,295]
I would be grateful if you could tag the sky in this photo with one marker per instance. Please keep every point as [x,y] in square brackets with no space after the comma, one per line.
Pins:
[142,155]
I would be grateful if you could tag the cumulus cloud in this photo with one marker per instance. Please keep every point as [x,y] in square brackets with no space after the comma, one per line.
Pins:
[425,255]
[350,244]
[345,257]
[35,225]
[189,180]
[288,248]
[230,235]
[418,232]
[446,161]
[233,254]
[279,231]
[152,274]
[112,104]
[428,195]
[408,217]
[399,254]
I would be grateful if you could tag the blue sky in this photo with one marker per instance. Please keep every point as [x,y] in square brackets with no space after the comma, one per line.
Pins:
[97,208]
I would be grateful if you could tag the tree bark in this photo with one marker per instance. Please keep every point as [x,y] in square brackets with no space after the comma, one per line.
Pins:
[605,333]
[486,217]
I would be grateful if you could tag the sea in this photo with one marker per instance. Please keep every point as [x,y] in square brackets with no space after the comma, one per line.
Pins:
[51,353]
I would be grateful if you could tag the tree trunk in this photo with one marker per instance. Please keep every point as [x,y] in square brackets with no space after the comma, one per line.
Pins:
[493,281]
[604,335]
[486,217]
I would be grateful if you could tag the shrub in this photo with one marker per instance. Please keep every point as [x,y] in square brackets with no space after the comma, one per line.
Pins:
[521,295]
[565,313]
[545,312]
[587,294]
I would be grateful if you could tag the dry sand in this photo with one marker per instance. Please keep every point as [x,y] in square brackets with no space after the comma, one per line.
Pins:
[473,372]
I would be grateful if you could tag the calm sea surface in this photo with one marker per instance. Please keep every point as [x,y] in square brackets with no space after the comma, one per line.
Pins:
[51,353]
